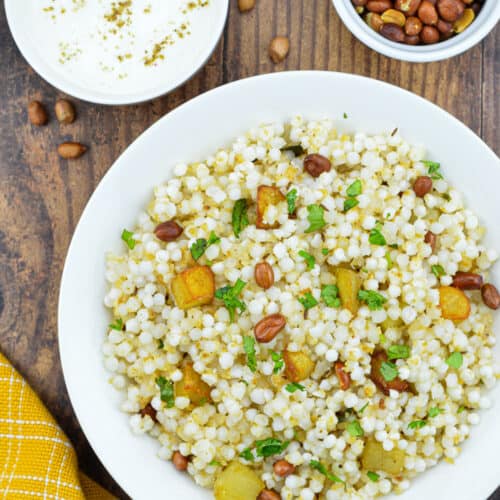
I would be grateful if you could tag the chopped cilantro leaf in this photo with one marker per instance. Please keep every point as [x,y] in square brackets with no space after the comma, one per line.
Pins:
[433,169]
[417,424]
[294,386]
[389,260]
[117,325]
[166,391]
[214,463]
[325,251]
[355,429]
[128,238]
[373,476]
[161,344]
[291,198]
[229,294]
[278,361]
[434,412]
[247,455]
[249,347]
[373,299]
[310,260]
[270,446]
[315,216]
[389,370]
[308,300]
[398,352]
[455,360]
[363,408]
[330,295]
[355,189]
[314,464]
[201,244]
[376,237]
[437,271]
[350,203]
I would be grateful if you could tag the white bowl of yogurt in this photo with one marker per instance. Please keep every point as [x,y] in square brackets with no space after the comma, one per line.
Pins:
[116,51]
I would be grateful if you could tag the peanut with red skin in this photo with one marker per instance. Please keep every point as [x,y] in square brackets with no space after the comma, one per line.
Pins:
[264,275]
[491,296]
[37,113]
[409,7]
[431,239]
[315,164]
[428,13]
[168,231]
[378,6]
[423,184]
[450,10]
[267,328]
[180,461]
[342,375]
[467,281]
[268,495]
[71,150]
[374,21]
[393,32]
[429,35]
[282,468]
[413,26]
[278,49]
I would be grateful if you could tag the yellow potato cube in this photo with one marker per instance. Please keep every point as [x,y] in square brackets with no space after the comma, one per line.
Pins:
[267,196]
[375,458]
[298,365]
[237,482]
[193,287]
[349,284]
[192,386]
[454,303]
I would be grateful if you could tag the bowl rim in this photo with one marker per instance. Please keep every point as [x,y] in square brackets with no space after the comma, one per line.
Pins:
[66,86]
[480,28]
[65,322]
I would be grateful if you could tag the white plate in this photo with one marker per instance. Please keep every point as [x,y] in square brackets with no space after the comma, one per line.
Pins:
[190,133]
[96,54]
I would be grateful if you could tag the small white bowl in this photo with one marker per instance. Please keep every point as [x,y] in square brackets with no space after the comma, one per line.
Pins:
[101,71]
[486,20]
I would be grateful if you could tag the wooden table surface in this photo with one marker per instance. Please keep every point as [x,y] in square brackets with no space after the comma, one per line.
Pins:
[42,196]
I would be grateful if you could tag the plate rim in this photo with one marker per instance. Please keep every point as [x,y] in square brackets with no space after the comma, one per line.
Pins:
[107,177]
[108,99]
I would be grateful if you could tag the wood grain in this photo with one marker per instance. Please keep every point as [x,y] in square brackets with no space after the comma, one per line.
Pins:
[42,196]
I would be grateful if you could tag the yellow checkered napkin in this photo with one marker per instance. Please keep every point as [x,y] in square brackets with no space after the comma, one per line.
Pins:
[36,458]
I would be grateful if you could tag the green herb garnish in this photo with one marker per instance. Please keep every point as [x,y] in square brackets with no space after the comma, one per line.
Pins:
[166,391]
[345,115]
[398,352]
[389,371]
[350,203]
[128,238]
[291,198]
[382,339]
[249,348]
[434,412]
[417,424]
[278,361]
[229,294]
[270,446]
[161,344]
[294,386]
[355,189]
[373,476]
[373,299]
[310,260]
[201,244]
[215,463]
[455,360]
[433,169]
[363,408]
[239,217]
[308,300]
[247,455]
[460,409]
[389,260]
[394,245]
[315,216]
[117,325]
[355,429]
[330,295]
[438,271]
[314,464]
[325,251]
[376,237]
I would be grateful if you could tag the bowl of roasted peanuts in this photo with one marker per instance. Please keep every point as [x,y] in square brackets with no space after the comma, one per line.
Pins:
[419,30]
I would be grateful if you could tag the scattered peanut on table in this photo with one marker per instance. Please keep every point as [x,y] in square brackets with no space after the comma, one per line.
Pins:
[278,49]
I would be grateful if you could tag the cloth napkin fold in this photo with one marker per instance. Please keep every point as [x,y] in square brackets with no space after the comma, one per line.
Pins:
[36,458]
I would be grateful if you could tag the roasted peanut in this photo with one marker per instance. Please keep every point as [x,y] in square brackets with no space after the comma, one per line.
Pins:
[464,21]
[282,468]
[429,34]
[423,184]
[246,5]
[378,6]
[278,48]
[490,295]
[394,16]
[264,275]
[168,231]
[393,32]
[450,10]
[467,281]
[268,495]
[342,375]
[71,150]
[409,7]
[378,358]
[37,113]
[444,27]
[413,26]
[412,39]
[431,239]
[267,328]
[374,21]
[180,461]
[428,13]
[65,112]
[149,411]
[316,164]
